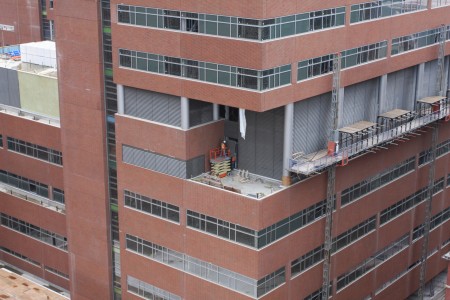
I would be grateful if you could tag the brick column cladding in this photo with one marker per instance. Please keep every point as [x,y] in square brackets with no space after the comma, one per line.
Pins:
[79,53]
[447,286]
[25,16]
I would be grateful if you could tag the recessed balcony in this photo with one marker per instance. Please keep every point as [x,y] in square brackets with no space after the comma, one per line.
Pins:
[242,182]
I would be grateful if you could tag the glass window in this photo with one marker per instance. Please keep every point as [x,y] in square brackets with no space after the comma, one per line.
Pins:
[151,206]
[288,26]
[414,41]
[248,29]
[229,26]
[202,269]
[224,26]
[172,19]
[204,71]
[210,24]
[33,231]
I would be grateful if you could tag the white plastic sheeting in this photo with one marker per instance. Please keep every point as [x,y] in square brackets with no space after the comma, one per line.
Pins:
[39,53]
[242,122]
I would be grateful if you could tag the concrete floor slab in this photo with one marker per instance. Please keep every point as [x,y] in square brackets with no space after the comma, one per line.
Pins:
[16,287]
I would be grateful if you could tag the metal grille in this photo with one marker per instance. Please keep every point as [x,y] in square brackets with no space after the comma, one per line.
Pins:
[429,79]
[162,108]
[400,90]
[311,124]
[360,102]
[259,153]
[9,88]
[163,164]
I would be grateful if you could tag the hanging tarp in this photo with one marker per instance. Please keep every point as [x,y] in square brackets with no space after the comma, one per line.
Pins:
[242,122]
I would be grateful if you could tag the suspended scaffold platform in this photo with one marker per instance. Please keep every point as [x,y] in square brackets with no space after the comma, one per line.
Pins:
[363,136]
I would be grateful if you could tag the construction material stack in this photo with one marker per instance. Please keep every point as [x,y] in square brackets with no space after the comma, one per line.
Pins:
[220,160]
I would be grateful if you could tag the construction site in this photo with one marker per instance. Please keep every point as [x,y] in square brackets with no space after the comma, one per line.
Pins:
[239,150]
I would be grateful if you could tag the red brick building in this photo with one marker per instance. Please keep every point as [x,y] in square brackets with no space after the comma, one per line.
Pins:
[148,88]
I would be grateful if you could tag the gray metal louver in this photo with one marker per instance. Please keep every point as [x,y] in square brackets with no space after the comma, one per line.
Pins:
[163,164]
[400,90]
[312,119]
[152,106]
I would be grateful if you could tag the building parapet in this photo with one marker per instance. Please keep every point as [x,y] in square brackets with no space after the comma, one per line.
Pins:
[29,115]
[242,182]
[31,197]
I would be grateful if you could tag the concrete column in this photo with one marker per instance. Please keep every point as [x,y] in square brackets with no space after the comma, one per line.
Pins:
[215,111]
[259,81]
[341,108]
[183,23]
[227,112]
[120,100]
[184,113]
[447,74]
[50,192]
[382,94]
[287,141]
[51,30]
[420,93]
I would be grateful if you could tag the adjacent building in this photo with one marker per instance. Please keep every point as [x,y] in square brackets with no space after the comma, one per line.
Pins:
[33,214]
[198,138]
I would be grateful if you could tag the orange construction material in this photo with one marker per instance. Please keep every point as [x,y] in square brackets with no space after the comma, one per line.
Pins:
[331,148]
[213,153]
[344,161]
[435,107]
[218,152]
